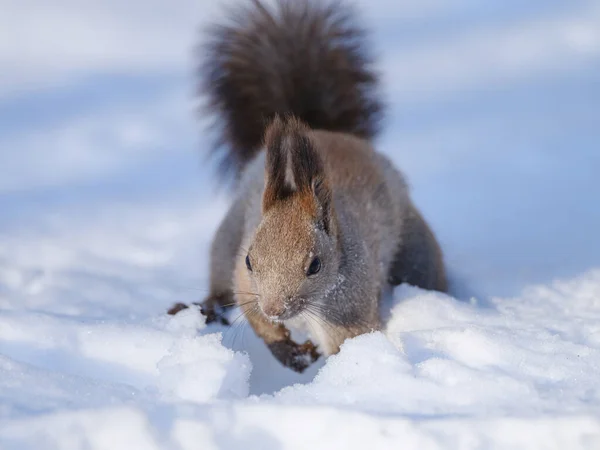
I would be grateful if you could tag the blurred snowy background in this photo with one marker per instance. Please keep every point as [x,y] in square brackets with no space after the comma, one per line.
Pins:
[107,204]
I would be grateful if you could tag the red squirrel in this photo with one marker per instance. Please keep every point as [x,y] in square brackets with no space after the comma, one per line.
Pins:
[321,223]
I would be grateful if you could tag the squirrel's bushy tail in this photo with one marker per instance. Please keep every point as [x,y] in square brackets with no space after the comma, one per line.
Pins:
[306,58]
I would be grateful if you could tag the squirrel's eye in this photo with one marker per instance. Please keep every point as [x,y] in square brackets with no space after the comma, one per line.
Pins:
[248,265]
[314,267]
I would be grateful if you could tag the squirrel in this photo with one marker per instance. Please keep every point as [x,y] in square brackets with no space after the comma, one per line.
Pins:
[321,223]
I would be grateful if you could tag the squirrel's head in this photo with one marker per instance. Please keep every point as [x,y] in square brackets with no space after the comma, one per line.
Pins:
[293,257]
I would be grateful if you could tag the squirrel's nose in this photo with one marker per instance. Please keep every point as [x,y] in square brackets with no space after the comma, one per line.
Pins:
[273,309]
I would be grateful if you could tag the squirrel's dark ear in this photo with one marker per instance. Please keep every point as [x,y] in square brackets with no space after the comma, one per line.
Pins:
[294,167]
[276,186]
[309,176]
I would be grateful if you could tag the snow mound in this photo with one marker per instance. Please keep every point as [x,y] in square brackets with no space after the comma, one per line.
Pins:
[48,362]
[200,369]
[534,354]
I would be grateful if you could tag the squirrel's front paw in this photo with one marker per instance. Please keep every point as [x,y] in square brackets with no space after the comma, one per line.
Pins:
[213,312]
[295,356]
[179,307]
[210,308]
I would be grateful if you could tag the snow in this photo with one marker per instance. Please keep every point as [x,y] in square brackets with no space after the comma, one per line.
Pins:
[106,217]
[516,372]
[439,355]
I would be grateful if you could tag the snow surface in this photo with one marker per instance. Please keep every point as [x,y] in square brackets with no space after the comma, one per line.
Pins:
[77,371]
[106,216]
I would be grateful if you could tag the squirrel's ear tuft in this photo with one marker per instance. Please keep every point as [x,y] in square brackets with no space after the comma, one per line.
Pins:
[277,188]
[294,167]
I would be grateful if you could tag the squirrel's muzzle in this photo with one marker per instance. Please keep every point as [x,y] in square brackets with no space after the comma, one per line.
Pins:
[277,310]
[273,309]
